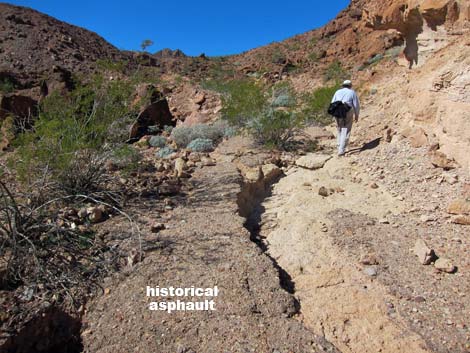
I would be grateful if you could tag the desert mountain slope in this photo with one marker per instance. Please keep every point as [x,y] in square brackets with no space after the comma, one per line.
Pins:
[32,43]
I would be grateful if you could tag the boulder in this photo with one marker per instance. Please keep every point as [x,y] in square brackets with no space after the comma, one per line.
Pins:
[157,113]
[425,254]
[313,160]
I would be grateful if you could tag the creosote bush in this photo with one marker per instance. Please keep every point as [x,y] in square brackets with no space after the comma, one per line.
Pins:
[74,134]
[315,104]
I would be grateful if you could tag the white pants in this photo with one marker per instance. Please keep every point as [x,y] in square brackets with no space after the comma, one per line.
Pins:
[344,131]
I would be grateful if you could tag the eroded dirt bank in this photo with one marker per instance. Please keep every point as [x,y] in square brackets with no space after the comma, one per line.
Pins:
[204,245]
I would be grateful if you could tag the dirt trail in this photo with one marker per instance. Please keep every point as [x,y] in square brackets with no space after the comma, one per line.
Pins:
[350,254]
[336,298]
[203,245]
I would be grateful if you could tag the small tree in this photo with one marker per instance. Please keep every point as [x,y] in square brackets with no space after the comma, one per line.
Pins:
[146,43]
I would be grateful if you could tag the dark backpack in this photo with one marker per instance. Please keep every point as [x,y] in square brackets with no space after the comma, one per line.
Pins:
[338,109]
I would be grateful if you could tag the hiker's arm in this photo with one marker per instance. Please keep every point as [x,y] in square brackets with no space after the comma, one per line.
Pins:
[357,106]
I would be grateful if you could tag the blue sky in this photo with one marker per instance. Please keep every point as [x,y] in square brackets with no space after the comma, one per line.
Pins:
[204,26]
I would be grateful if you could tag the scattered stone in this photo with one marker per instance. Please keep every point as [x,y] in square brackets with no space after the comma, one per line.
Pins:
[427,218]
[323,191]
[440,160]
[324,227]
[157,227]
[444,265]
[132,258]
[96,214]
[419,299]
[373,186]
[370,271]
[168,189]
[369,260]
[199,98]
[82,213]
[194,157]
[207,162]
[425,254]
[384,221]
[313,160]
[160,167]
[450,178]
[388,135]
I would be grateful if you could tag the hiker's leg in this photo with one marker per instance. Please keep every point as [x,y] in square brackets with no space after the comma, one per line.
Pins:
[342,134]
[338,129]
[348,124]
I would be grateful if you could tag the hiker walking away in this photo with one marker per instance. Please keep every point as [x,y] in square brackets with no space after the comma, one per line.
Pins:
[349,97]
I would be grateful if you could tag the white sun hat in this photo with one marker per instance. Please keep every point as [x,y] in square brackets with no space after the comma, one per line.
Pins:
[347,83]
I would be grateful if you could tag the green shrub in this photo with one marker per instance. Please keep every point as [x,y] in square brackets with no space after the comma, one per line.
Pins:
[72,134]
[283,96]
[313,56]
[241,100]
[335,72]
[277,56]
[107,64]
[275,128]
[165,152]
[6,85]
[126,158]
[157,141]
[315,105]
[201,145]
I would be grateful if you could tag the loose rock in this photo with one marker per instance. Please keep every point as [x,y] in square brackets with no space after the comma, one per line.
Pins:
[445,265]
[313,160]
[323,191]
[425,254]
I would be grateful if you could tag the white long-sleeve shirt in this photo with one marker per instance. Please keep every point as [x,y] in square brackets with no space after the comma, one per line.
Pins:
[348,96]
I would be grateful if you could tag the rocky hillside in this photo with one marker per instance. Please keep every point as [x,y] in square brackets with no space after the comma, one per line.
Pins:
[32,45]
